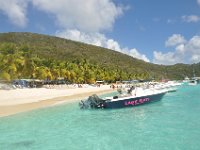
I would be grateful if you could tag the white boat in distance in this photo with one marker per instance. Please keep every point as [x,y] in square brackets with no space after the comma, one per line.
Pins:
[193,82]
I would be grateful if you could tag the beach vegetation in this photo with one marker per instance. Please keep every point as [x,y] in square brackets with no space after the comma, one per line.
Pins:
[35,56]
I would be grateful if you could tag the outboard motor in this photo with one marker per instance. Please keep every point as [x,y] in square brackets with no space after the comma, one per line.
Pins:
[92,102]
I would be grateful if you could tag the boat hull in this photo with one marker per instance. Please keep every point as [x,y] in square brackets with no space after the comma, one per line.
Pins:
[133,101]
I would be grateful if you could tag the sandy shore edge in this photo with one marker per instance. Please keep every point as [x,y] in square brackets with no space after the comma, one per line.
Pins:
[7,110]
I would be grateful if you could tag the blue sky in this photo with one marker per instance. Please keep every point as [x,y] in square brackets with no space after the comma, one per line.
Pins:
[161,32]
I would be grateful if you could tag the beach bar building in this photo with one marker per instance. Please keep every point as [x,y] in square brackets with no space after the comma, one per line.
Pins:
[27,83]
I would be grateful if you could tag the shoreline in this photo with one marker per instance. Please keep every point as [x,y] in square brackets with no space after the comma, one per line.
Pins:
[33,104]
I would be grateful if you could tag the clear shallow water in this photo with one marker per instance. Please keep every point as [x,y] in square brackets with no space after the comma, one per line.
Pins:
[170,124]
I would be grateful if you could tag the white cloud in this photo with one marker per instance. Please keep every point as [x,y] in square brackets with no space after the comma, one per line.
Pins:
[191,18]
[87,15]
[134,53]
[193,49]
[198,1]
[180,49]
[111,44]
[193,45]
[99,39]
[168,58]
[15,10]
[174,40]
[195,58]
[184,52]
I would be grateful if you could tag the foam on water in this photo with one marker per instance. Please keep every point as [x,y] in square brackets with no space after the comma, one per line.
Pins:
[169,124]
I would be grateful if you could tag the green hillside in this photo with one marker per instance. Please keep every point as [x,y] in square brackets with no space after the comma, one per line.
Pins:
[28,55]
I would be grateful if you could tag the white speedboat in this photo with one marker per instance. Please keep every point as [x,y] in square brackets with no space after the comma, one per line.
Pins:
[134,97]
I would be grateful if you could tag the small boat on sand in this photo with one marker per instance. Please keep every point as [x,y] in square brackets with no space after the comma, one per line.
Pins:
[129,99]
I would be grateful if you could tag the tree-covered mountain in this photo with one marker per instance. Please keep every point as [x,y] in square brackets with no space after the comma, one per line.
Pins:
[28,55]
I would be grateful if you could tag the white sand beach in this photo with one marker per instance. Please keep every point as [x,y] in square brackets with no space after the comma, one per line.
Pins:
[20,100]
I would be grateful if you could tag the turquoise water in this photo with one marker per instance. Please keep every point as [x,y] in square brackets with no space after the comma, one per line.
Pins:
[170,124]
